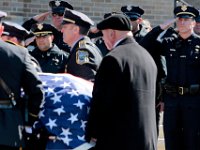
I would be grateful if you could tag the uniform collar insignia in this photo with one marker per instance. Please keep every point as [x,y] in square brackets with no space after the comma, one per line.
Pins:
[129,7]
[40,26]
[184,8]
[57,3]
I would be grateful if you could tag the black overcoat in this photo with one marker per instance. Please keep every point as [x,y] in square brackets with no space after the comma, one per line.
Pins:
[122,115]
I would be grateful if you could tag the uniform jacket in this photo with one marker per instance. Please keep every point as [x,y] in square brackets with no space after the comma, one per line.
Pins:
[84,59]
[17,70]
[52,61]
[182,57]
[122,115]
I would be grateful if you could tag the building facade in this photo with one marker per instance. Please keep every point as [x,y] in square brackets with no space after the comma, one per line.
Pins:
[156,11]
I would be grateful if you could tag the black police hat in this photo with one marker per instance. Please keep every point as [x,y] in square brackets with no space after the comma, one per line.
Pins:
[133,12]
[15,30]
[59,6]
[116,22]
[78,18]
[42,29]
[185,11]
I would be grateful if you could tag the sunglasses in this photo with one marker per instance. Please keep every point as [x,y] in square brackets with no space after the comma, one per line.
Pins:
[57,14]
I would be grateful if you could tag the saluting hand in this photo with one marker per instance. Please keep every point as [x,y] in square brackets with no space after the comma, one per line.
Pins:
[167,24]
[41,17]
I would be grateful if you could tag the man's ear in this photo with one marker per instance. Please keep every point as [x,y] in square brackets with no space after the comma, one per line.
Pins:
[1,29]
[76,29]
[52,37]
[112,33]
[194,24]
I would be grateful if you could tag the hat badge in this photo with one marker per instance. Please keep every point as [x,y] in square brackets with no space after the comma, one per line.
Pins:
[129,7]
[184,8]
[57,3]
[40,26]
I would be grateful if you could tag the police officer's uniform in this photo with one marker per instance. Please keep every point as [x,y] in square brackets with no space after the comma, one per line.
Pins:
[182,87]
[53,60]
[17,71]
[85,57]
[12,29]
[57,7]
[135,12]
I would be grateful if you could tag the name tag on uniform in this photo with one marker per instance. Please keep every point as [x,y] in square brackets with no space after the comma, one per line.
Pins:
[183,56]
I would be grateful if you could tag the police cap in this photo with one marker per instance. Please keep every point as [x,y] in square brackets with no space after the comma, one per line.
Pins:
[15,30]
[78,18]
[42,29]
[116,22]
[185,11]
[133,12]
[59,6]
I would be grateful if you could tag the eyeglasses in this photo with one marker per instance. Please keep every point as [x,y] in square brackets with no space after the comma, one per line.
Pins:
[57,14]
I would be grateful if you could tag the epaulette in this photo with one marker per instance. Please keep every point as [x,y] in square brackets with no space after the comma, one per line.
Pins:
[83,44]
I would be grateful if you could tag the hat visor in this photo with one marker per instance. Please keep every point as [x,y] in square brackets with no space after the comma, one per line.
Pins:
[132,16]
[65,22]
[185,16]
[58,10]
[42,34]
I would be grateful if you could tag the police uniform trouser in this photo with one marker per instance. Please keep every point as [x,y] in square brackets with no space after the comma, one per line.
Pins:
[182,122]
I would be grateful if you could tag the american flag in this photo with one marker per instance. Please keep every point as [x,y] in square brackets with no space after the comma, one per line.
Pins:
[65,109]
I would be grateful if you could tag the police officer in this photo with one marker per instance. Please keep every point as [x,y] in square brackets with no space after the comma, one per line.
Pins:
[56,13]
[15,34]
[84,57]
[182,87]
[16,72]
[49,56]
[135,14]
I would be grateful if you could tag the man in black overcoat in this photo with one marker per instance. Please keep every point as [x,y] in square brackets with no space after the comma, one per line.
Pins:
[122,115]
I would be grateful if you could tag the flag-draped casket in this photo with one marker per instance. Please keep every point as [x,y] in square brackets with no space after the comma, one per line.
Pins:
[65,109]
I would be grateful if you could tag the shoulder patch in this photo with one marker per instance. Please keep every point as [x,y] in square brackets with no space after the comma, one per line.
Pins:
[82,57]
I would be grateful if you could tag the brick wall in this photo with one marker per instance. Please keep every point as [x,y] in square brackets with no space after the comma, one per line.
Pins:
[155,10]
